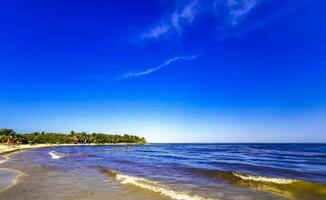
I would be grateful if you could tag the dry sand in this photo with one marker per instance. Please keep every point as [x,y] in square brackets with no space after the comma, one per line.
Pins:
[4,149]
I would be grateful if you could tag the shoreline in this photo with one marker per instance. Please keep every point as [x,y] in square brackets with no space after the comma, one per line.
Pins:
[14,181]
[4,149]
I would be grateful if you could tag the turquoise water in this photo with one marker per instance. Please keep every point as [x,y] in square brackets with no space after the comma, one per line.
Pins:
[182,171]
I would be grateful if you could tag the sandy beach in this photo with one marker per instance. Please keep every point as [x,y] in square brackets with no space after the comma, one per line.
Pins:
[4,149]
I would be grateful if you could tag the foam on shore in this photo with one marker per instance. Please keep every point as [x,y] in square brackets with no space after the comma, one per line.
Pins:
[151,186]
[5,158]
[265,179]
[55,155]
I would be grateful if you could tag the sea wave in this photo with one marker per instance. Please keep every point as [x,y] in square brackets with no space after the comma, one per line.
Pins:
[56,155]
[4,159]
[237,177]
[248,177]
[151,186]
[288,188]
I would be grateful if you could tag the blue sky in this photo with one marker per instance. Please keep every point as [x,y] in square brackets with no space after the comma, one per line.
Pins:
[172,71]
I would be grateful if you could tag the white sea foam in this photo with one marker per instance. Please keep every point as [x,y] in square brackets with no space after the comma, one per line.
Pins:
[156,187]
[55,155]
[264,179]
[5,159]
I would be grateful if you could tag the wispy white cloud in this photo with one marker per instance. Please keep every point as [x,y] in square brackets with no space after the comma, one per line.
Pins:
[175,21]
[189,10]
[239,8]
[185,15]
[153,69]
[157,31]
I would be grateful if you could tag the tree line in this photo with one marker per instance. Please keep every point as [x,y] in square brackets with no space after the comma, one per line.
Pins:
[9,135]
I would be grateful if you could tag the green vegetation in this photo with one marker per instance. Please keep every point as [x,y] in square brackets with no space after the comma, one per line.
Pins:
[7,135]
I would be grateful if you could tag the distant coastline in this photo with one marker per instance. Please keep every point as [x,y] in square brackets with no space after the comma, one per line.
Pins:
[11,141]
[5,149]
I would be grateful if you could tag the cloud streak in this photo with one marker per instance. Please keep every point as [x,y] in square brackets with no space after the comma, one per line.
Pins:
[174,22]
[186,13]
[154,69]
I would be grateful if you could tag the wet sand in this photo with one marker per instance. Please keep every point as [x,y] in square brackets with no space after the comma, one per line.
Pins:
[11,176]
[40,181]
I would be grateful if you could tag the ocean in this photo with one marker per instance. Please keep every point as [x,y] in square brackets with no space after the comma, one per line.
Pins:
[166,171]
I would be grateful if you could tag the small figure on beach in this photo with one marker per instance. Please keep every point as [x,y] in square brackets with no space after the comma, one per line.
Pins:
[11,143]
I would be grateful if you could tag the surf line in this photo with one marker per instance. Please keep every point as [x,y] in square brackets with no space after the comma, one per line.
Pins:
[15,180]
[151,186]
[55,155]
[6,156]
[5,159]
[18,173]
[274,180]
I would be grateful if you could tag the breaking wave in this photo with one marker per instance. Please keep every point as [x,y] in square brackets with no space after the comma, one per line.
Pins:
[289,188]
[56,155]
[248,177]
[151,186]
[4,159]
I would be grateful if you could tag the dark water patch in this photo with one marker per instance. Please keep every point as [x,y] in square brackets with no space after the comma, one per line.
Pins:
[274,170]
[172,157]
[262,169]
